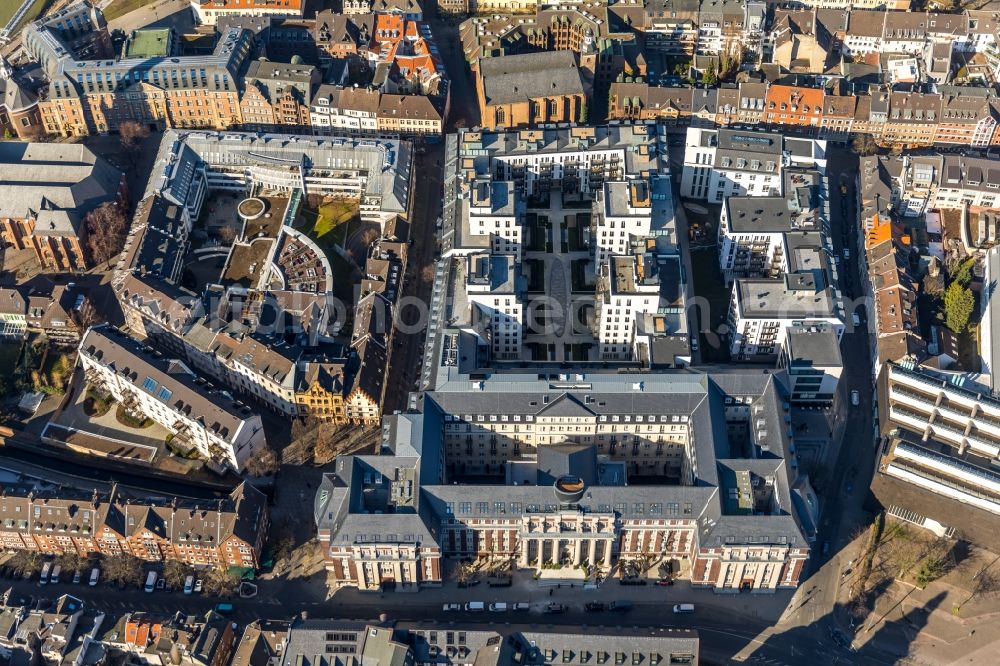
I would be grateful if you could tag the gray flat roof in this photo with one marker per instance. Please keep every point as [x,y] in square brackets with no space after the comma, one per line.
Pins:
[815,347]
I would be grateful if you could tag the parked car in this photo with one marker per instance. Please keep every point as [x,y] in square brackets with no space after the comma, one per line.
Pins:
[475,607]
[43,578]
[665,582]
[95,575]
[77,575]
[620,606]
[197,585]
[189,585]
[498,607]
[223,609]
[855,398]
[150,582]
[683,608]
[54,576]
[554,609]
[520,606]
[593,606]
[449,608]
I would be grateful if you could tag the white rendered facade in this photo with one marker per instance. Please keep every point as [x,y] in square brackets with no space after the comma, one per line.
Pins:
[493,213]
[329,119]
[723,163]
[208,12]
[491,287]
[172,399]
[627,298]
[762,311]
[627,211]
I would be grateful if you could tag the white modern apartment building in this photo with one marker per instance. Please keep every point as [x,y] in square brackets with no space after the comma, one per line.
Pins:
[624,211]
[813,364]
[168,392]
[570,247]
[633,290]
[761,236]
[721,163]
[762,311]
[495,209]
[491,287]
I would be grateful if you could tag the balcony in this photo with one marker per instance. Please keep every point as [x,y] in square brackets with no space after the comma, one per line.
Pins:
[911,398]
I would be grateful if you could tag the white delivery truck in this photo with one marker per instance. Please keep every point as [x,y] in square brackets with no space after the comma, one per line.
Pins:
[43,578]
[150,582]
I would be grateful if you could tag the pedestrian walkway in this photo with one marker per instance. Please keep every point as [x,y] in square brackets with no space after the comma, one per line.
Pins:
[756,608]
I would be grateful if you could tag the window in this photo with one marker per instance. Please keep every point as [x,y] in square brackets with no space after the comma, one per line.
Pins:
[164,393]
[149,384]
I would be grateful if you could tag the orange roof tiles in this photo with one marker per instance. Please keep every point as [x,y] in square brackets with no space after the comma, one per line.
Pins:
[794,99]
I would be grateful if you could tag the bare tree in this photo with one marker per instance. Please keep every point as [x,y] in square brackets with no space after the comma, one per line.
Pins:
[220,583]
[226,234]
[465,572]
[174,573]
[131,135]
[282,545]
[70,562]
[106,227]
[864,145]
[328,443]
[26,561]
[263,463]
[122,569]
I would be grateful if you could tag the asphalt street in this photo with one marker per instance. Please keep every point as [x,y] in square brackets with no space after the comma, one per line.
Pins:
[408,342]
[725,637]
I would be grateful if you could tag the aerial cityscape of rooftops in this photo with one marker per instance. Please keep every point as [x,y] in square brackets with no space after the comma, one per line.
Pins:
[553,315]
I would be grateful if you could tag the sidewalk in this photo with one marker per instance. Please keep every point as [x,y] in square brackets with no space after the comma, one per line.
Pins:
[754,609]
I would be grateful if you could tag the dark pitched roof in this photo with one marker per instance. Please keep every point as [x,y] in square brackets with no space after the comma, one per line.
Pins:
[518,78]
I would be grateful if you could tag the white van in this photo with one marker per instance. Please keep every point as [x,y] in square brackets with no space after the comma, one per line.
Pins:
[521,606]
[150,582]
[475,607]
[95,575]
[189,585]
[683,608]
[54,576]
[498,607]
[43,577]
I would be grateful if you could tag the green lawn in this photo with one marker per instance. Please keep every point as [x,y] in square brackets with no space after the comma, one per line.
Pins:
[330,224]
[9,7]
[121,7]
